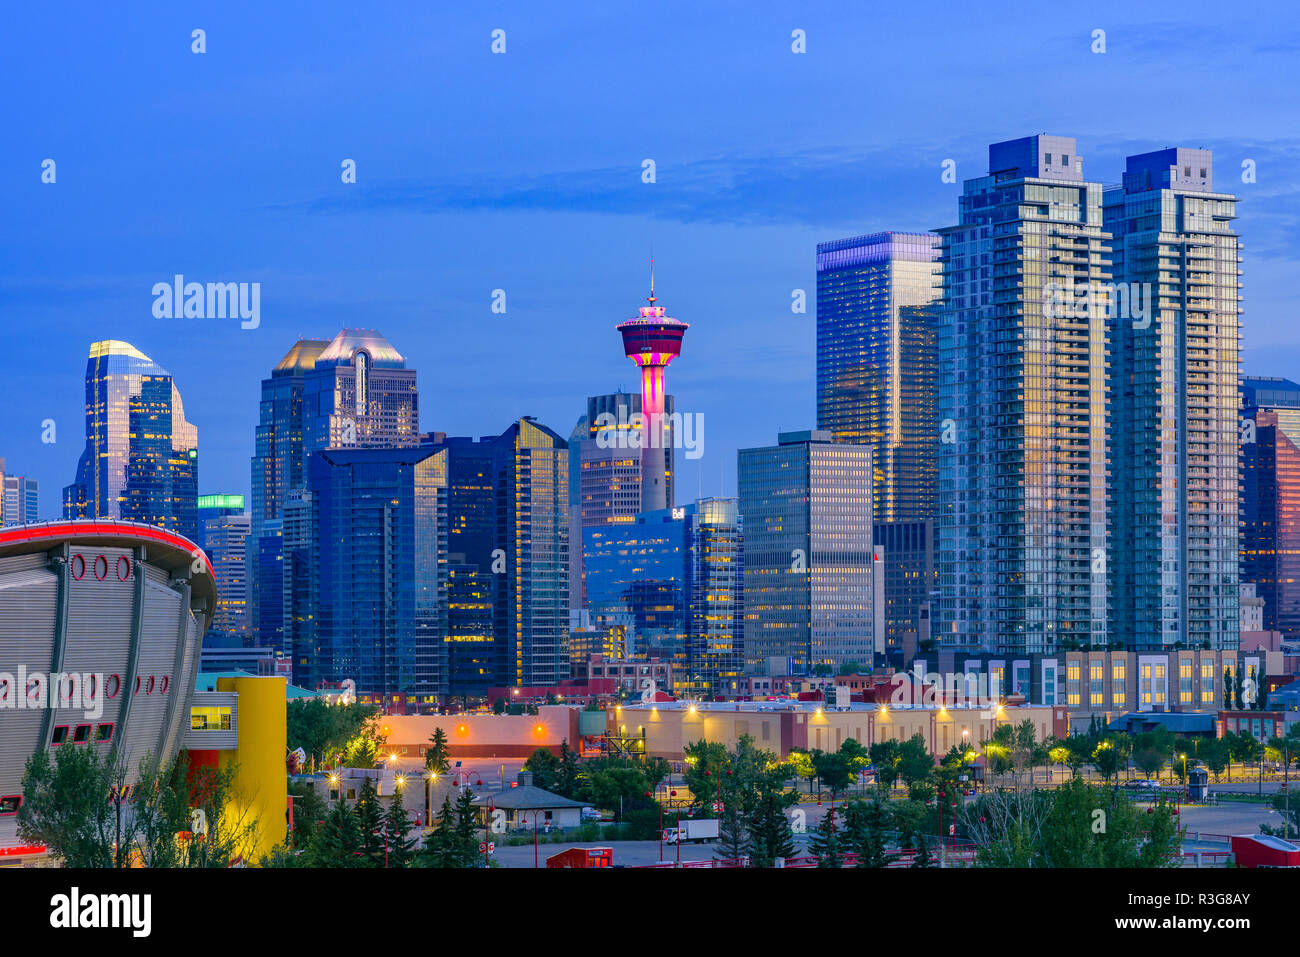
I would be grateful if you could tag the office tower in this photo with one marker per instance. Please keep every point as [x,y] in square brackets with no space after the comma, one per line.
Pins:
[291,541]
[906,553]
[472,658]
[638,574]
[715,590]
[359,394]
[806,508]
[508,527]
[1174,331]
[19,498]
[605,473]
[266,571]
[877,362]
[277,468]
[652,340]
[215,506]
[672,583]
[140,461]
[380,598]
[476,569]
[1023,407]
[226,542]
[1270,499]
[277,462]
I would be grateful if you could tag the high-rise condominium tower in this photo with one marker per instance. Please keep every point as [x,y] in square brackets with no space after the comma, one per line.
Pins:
[1174,330]
[1023,407]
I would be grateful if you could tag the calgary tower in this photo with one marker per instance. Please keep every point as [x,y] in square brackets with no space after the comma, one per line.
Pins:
[652,340]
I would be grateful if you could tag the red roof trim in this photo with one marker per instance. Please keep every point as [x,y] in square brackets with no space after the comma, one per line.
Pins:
[35,533]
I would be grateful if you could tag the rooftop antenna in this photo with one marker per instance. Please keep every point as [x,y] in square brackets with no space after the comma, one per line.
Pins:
[651,298]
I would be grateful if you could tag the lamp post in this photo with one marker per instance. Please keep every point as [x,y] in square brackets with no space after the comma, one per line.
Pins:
[535,812]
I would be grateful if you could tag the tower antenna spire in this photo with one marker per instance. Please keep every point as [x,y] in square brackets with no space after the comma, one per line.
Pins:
[651,298]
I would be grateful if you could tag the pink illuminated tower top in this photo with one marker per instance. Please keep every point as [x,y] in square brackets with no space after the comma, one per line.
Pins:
[652,340]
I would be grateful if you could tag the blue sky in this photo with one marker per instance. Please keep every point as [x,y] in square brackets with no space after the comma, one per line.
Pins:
[522,172]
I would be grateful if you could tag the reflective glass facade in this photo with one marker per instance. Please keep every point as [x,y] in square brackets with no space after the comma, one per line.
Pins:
[359,394]
[675,577]
[1270,499]
[141,456]
[1023,408]
[876,361]
[379,568]
[806,508]
[508,526]
[1174,416]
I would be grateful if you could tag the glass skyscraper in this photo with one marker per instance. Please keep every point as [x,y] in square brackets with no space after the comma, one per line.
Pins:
[140,461]
[806,508]
[277,468]
[277,463]
[359,394]
[605,474]
[20,500]
[380,597]
[1174,331]
[1270,499]
[508,541]
[675,576]
[226,541]
[1023,408]
[876,361]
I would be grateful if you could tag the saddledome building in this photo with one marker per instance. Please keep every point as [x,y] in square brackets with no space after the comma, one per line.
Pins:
[100,625]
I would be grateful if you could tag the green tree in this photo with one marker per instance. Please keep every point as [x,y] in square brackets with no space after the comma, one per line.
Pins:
[833,771]
[915,762]
[442,848]
[545,767]
[706,764]
[566,771]
[769,829]
[866,831]
[309,809]
[398,843]
[1149,762]
[886,756]
[1106,758]
[73,806]
[337,842]
[436,756]
[733,829]
[825,842]
[1227,691]
[370,824]
[323,730]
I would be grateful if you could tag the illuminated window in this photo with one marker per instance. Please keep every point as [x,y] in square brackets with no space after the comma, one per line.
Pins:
[210,719]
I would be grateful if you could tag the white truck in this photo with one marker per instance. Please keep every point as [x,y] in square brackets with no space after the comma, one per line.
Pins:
[689,831]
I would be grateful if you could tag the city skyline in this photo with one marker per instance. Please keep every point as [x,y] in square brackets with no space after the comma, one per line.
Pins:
[569,232]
